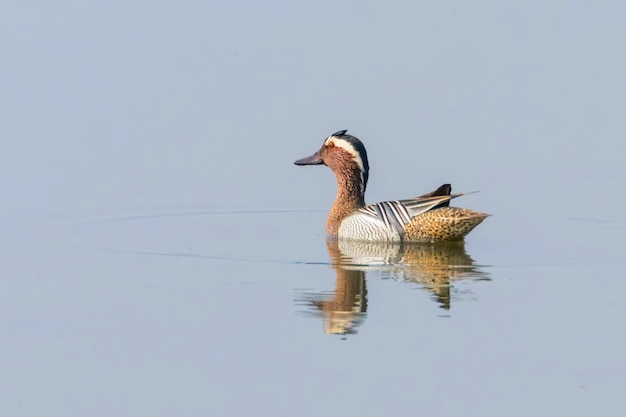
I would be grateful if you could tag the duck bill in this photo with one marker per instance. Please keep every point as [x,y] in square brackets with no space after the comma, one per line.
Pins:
[314,159]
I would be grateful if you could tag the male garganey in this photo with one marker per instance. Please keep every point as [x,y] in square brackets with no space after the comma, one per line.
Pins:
[427,218]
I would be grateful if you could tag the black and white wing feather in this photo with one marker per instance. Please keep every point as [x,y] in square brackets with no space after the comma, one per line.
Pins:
[394,215]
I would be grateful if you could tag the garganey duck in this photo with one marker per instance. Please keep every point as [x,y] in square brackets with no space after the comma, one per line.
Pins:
[427,218]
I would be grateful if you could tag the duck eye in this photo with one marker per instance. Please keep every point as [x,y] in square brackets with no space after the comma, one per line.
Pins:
[331,145]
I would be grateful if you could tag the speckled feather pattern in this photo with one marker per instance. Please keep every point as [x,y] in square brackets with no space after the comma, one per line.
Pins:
[444,224]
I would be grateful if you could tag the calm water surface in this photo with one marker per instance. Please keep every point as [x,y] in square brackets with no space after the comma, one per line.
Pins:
[160,255]
[194,312]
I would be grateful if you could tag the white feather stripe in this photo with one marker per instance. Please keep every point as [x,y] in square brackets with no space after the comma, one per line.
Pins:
[382,214]
[393,216]
[401,213]
[349,148]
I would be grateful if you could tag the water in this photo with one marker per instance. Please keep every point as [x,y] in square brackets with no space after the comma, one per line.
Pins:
[161,255]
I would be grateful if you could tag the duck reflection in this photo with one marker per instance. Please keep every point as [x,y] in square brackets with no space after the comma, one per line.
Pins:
[432,266]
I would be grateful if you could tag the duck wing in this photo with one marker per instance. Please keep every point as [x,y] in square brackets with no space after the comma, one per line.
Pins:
[396,214]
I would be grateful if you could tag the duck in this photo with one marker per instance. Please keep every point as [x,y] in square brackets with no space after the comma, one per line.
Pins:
[426,218]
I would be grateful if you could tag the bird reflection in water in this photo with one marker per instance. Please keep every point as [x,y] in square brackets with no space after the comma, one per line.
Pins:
[434,267]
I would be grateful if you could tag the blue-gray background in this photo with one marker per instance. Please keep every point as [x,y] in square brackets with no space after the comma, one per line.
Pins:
[146,150]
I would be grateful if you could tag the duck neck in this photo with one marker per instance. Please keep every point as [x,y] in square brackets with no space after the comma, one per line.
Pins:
[350,197]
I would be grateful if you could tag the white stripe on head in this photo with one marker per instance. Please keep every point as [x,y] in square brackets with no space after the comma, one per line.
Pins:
[356,156]
[346,146]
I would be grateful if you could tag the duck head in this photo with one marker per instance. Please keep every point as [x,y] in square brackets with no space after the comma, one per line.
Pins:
[345,155]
